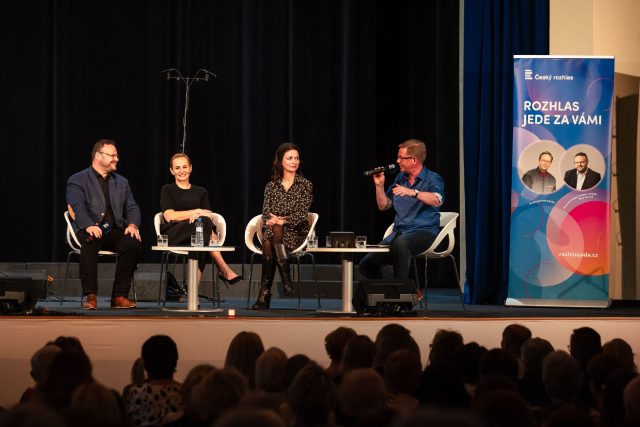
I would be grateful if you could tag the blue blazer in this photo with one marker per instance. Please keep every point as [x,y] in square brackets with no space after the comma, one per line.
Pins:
[85,197]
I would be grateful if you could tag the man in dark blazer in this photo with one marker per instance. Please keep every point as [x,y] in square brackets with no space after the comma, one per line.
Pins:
[105,217]
[581,178]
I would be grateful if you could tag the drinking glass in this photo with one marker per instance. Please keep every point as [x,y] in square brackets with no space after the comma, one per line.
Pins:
[361,242]
[163,240]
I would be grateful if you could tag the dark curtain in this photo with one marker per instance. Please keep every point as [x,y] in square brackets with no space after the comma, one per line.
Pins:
[494,31]
[347,80]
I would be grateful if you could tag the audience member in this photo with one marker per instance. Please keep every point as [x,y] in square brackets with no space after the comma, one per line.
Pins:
[446,347]
[194,377]
[138,376]
[631,401]
[402,378]
[334,343]
[613,410]
[363,399]
[68,370]
[293,366]
[468,364]
[218,392]
[499,362]
[359,352]
[40,362]
[270,371]
[311,398]
[439,417]
[513,336]
[150,403]
[32,414]
[502,408]
[534,350]
[94,405]
[68,343]
[441,385]
[623,350]
[242,354]
[570,415]
[390,338]
[562,377]
[584,344]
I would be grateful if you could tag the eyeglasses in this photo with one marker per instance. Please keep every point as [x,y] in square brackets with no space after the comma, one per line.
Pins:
[113,156]
[405,158]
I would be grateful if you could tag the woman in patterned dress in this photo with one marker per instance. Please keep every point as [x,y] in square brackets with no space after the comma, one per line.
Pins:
[287,198]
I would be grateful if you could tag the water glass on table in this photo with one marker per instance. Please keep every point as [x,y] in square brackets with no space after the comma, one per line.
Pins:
[163,240]
[361,242]
[215,239]
[194,240]
[312,242]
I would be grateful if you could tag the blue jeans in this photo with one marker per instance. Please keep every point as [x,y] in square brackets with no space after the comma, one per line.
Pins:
[403,247]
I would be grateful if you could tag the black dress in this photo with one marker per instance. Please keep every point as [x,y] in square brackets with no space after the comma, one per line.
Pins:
[180,232]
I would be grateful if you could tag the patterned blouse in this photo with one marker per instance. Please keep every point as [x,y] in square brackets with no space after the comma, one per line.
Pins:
[293,204]
[149,404]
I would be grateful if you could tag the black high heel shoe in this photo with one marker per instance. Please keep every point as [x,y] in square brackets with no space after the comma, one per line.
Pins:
[228,282]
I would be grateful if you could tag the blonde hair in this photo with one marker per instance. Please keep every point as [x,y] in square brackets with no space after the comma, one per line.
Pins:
[177,156]
[415,148]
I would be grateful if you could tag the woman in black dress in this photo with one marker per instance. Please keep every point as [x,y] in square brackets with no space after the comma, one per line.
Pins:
[182,204]
[287,198]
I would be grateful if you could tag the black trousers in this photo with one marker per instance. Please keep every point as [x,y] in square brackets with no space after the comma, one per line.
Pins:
[180,234]
[128,249]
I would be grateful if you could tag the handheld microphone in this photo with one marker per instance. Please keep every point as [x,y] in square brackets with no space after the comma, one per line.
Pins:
[392,168]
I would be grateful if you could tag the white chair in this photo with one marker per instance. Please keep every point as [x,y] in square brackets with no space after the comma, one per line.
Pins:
[253,239]
[74,244]
[221,227]
[448,222]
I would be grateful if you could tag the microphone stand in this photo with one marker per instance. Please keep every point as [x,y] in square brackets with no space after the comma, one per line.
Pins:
[174,74]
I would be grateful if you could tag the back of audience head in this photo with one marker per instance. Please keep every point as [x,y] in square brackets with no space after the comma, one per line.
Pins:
[41,360]
[335,341]
[562,376]
[94,405]
[193,378]
[138,376]
[293,366]
[160,355]
[623,350]
[270,370]
[311,396]
[533,351]
[446,347]
[218,392]
[493,382]
[402,372]
[390,338]
[499,362]
[503,408]
[362,393]
[68,343]
[359,352]
[600,367]
[584,344]
[469,361]
[631,399]
[242,354]
[441,385]
[513,336]
[250,418]
[68,370]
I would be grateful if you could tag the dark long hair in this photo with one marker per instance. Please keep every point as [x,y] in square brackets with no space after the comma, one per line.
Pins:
[277,173]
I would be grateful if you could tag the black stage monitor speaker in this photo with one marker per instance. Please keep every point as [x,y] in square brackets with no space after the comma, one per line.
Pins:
[20,293]
[385,297]
[343,239]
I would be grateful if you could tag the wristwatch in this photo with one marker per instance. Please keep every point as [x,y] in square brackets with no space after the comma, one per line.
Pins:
[417,192]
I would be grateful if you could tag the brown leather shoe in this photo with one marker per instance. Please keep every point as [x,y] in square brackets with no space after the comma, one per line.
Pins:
[90,302]
[122,302]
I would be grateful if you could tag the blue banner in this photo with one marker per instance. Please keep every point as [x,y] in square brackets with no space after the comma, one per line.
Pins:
[561,178]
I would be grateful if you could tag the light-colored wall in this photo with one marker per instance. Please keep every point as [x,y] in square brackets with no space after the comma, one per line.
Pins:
[597,27]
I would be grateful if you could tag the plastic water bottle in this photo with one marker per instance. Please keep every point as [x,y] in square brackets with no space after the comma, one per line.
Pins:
[199,232]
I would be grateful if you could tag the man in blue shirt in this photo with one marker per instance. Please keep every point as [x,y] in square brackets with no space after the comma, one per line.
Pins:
[416,195]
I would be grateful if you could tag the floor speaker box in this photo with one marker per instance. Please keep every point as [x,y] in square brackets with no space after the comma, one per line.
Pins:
[385,297]
[20,293]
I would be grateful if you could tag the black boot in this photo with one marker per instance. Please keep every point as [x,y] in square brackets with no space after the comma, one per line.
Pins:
[283,268]
[266,280]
